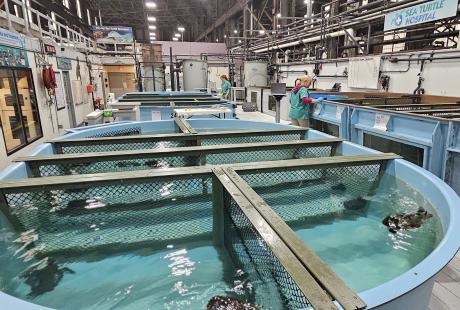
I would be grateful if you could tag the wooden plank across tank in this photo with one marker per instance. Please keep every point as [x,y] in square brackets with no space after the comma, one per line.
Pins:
[301,276]
[322,274]
[196,155]
[436,111]
[87,180]
[59,144]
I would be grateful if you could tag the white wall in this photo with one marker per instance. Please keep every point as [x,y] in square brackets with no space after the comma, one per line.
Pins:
[441,76]
[51,119]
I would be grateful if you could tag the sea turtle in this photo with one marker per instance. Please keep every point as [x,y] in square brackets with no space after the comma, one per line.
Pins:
[228,303]
[406,221]
[44,276]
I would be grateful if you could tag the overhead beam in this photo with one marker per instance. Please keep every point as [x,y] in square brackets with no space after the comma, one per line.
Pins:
[235,9]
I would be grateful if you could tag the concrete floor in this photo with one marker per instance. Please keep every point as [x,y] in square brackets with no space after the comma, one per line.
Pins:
[446,290]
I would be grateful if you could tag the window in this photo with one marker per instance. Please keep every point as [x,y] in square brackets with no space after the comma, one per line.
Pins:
[330,129]
[254,97]
[78,8]
[19,115]
[408,152]
[271,103]
[89,16]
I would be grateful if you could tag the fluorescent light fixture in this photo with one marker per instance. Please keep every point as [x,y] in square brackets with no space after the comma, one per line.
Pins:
[181,29]
[261,31]
[239,41]
[151,19]
[175,39]
[151,5]
[153,33]
[153,27]
[235,31]
[177,35]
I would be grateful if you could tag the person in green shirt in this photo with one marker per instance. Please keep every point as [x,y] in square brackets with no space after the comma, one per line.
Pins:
[300,103]
[225,88]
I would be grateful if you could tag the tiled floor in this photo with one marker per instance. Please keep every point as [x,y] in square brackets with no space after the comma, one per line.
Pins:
[446,291]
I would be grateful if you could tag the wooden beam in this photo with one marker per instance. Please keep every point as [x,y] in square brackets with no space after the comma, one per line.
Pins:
[333,285]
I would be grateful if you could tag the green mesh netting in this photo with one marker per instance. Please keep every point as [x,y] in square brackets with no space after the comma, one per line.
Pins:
[273,286]
[300,195]
[89,166]
[119,215]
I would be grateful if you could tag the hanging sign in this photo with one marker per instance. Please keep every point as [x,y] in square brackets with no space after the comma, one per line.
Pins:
[317,109]
[13,57]
[339,112]
[50,49]
[113,34]
[381,122]
[12,39]
[64,63]
[419,14]
[60,97]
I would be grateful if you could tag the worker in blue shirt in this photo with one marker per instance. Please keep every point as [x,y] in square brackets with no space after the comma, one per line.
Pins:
[300,103]
[225,88]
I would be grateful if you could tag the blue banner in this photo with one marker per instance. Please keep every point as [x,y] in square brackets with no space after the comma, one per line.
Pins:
[12,38]
[422,13]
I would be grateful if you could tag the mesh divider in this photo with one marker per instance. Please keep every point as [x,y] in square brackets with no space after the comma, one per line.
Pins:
[242,156]
[154,212]
[289,136]
[134,131]
[122,146]
[299,194]
[274,286]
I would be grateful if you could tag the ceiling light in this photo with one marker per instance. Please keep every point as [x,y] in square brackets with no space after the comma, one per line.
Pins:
[152,19]
[217,40]
[235,31]
[151,5]
[181,29]
[278,15]
[153,34]
[239,41]
[261,31]
[225,36]
[152,27]
[175,39]
[177,35]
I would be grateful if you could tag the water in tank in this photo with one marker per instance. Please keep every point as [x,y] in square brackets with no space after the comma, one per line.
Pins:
[195,74]
[255,73]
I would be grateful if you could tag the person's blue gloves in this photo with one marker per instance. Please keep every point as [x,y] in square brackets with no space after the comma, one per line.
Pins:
[320,99]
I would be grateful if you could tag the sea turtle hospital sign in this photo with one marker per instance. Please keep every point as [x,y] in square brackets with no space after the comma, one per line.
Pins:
[422,13]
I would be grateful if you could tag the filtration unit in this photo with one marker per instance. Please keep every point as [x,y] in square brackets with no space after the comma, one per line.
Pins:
[195,74]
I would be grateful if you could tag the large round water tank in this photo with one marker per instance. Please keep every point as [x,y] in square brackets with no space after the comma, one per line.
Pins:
[195,74]
[255,73]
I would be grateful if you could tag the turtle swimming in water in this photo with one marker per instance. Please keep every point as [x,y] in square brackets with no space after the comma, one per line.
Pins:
[405,221]
[358,204]
[228,303]
[44,276]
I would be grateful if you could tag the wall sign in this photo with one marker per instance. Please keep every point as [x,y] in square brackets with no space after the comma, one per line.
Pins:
[13,57]
[50,49]
[12,39]
[64,63]
[60,97]
[113,35]
[419,14]
[381,122]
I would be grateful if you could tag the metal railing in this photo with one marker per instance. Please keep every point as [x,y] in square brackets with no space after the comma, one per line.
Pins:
[33,20]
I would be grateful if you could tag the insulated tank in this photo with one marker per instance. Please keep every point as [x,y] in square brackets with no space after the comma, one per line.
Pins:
[195,74]
[255,73]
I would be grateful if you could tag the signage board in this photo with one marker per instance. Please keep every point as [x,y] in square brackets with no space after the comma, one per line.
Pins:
[64,63]
[113,34]
[419,14]
[13,57]
[12,39]
[381,122]
[50,49]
